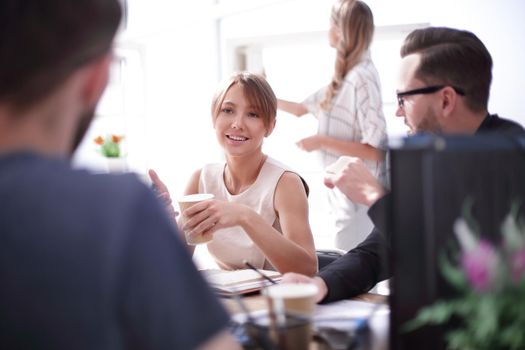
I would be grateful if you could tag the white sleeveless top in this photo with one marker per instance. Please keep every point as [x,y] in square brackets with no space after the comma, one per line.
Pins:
[230,246]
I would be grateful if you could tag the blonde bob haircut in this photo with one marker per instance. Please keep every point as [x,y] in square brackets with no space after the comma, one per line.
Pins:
[256,90]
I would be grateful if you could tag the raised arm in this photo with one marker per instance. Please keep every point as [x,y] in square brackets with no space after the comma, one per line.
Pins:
[294,108]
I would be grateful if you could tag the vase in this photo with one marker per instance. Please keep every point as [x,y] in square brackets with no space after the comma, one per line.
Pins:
[117,165]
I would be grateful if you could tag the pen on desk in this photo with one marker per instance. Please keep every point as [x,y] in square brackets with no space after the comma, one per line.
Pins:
[247,263]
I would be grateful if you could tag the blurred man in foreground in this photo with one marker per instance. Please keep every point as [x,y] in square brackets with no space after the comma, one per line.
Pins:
[86,261]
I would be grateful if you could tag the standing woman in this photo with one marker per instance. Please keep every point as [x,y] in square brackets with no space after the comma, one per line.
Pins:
[260,209]
[350,114]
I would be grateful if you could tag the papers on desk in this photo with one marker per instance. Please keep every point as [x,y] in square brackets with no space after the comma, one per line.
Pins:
[348,310]
[228,283]
[343,315]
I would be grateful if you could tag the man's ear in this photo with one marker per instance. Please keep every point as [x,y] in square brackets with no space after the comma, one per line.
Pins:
[270,128]
[448,101]
[96,79]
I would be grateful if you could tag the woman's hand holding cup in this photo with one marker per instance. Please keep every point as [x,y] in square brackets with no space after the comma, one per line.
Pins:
[192,231]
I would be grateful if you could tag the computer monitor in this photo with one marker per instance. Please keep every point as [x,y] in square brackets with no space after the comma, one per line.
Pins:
[431,177]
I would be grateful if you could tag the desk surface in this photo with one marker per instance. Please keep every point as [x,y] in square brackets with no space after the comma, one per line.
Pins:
[258,302]
[379,327]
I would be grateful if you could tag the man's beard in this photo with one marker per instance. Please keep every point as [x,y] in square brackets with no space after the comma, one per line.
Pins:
[82,127]
[429,124]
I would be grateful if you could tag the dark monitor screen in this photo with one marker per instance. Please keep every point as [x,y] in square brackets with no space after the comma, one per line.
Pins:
[431,177]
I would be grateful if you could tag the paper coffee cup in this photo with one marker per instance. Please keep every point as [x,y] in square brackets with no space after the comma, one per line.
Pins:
[184,203]
[296,298]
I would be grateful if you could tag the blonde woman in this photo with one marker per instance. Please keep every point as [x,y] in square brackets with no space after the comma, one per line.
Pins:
[260,209]
[349,111]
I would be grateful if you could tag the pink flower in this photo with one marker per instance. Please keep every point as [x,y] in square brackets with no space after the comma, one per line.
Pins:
[480,265]
[517,264]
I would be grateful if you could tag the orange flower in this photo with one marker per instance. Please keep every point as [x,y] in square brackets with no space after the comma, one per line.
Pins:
[99,140]
[116,138]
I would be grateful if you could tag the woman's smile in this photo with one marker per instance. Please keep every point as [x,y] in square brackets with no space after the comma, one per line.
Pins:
[237,138]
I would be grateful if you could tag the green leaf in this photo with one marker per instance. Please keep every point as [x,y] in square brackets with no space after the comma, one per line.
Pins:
[467,214]
[485,325]
[512,233]
[438,313]
[512,337]
[111,149]
[452,274]
[459,339]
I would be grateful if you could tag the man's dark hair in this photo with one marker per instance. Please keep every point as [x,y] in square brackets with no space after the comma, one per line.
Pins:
[43,41]
[453,57]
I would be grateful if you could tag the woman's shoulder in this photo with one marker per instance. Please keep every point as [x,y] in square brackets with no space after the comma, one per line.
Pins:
[288,177]
[291,183]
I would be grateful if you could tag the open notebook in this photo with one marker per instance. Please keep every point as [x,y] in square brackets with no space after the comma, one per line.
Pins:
[228,283]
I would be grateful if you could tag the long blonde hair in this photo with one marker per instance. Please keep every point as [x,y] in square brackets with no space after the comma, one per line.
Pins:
[355,21]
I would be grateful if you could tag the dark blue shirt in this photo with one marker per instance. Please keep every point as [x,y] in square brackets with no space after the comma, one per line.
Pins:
[93,262]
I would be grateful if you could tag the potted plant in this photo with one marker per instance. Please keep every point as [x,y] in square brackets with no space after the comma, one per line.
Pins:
[111,148]
[490,280]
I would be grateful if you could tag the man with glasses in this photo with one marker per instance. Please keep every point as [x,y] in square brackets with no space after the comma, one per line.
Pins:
[444,85]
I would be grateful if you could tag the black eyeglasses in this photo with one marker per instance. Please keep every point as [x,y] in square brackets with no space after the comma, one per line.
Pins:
[425,90]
